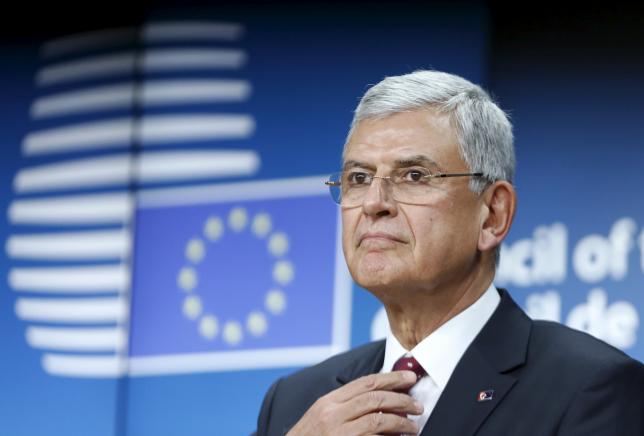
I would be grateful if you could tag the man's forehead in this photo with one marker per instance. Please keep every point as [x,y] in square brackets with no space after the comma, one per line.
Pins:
[422,136]
[400,155]
[407,123]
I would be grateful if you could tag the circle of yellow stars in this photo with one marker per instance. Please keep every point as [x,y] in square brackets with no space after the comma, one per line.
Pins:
[232,331]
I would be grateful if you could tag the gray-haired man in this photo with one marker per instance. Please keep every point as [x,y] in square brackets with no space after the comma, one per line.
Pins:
[427,198]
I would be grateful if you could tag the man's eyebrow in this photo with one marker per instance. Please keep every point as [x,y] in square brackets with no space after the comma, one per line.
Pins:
[354,164]
[419,159]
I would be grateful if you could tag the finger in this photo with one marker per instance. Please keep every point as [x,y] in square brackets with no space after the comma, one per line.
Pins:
[374,382]
[380,401]
[376,423]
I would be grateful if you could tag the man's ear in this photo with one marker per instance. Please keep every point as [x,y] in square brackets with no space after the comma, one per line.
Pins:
[499,203]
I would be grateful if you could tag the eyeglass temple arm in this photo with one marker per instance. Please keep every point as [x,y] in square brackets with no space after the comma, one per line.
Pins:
[441,175]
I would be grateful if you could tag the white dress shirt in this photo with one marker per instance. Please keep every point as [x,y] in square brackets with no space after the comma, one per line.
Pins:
[440,352]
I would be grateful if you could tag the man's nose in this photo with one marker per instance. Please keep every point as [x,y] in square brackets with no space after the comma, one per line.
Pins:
[379,198]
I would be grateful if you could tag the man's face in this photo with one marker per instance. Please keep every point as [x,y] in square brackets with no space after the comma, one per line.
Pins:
[391,246]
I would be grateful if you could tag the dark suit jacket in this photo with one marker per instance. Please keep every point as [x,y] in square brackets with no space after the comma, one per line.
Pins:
[547,380]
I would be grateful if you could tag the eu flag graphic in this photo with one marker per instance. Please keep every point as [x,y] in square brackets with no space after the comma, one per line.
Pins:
[244,270]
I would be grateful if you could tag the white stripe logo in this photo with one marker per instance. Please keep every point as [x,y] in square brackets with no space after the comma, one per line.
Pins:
[104,121]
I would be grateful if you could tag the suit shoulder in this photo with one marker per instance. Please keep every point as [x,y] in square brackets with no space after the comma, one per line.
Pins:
[567,362]
[567,346]
[329,368]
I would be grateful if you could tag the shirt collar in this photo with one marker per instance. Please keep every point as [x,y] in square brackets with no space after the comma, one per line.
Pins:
[440,352]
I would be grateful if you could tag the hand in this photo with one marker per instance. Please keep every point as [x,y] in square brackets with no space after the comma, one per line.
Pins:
[366,406]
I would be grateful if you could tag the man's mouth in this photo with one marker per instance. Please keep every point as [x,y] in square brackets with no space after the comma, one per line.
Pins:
[380,239]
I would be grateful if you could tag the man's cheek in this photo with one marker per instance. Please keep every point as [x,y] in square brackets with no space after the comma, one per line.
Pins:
[347,246]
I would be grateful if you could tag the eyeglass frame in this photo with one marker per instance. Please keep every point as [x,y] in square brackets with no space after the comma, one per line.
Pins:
[438,175]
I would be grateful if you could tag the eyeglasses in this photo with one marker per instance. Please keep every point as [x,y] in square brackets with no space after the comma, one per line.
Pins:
[409,185]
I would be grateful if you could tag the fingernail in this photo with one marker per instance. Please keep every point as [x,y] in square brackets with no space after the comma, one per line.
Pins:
[419,406]
[411,376]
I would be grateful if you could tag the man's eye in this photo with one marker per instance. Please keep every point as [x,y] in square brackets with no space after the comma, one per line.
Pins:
[415,176]
[357,178]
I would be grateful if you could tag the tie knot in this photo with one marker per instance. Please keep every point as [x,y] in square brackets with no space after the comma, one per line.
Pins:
[409,364]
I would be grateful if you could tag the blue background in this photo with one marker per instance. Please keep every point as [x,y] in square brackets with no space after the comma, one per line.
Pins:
[575,101]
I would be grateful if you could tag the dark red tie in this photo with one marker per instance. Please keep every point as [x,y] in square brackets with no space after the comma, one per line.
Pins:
[408,364]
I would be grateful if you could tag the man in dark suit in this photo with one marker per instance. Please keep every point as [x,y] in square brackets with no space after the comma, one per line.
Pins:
[427,199]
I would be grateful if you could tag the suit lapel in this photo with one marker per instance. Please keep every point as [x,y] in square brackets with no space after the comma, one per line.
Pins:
[485,369]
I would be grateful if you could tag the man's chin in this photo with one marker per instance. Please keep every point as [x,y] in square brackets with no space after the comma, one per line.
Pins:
[375,272]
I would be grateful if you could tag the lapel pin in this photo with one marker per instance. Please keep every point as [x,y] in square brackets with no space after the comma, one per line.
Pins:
[485,395]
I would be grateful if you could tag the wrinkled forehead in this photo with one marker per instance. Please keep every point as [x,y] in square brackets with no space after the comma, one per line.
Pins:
[410,138]
[431,115]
